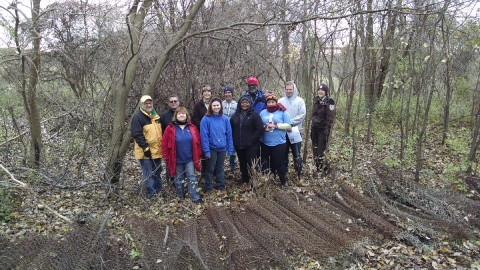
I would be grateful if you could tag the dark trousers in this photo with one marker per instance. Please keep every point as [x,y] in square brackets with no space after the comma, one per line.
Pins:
[319,141]
[297,157]
[246,158]
[272,158]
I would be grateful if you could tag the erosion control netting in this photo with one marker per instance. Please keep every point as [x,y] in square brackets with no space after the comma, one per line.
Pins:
[329,225]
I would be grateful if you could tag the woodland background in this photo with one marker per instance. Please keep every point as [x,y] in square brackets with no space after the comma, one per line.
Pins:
[404,74]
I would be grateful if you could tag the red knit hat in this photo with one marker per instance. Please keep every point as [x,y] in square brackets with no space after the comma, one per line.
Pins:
[252,80]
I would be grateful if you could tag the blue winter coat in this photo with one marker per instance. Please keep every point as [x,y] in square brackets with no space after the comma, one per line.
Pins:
[216,134]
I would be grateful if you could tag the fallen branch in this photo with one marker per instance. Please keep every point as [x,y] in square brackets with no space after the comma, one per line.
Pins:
[31,191]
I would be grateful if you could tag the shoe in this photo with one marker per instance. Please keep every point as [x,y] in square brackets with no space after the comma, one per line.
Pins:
[199,201]
[283,185]
[222,192]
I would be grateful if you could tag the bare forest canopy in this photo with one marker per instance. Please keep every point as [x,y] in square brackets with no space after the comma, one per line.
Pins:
[404,75]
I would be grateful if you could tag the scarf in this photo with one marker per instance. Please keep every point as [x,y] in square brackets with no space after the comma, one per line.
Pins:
[276,107]
[153,113]
[181,122]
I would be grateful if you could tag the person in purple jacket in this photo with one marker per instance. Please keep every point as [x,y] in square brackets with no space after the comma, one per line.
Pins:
[216,137]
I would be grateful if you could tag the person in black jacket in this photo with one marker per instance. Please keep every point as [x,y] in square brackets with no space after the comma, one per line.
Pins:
[165,120]
[323,115]
[167,116]
[247,128]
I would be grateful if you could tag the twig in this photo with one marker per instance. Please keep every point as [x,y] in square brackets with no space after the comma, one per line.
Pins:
[166,236]
[23,133]
[101,229]
[341,200]
[32,192]
[23,185]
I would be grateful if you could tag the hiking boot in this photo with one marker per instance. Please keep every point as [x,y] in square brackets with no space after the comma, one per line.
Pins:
[222,192]
[199,201]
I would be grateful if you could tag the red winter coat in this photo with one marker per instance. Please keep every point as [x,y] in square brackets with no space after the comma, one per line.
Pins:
[169,147]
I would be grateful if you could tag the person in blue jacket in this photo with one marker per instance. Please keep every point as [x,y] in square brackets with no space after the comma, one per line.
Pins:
[273,144]
[256,94]
[216,137]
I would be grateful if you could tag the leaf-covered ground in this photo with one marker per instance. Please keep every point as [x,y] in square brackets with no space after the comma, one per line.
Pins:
[89,198]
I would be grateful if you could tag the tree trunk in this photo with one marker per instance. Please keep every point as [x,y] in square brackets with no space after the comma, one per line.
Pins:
[448,85]
[353,84]
[285,43]
[121,136]
[29,85]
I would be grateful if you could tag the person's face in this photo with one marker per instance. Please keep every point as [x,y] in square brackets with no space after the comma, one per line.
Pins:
[252,88]
[181,116]
[245,105]
[207,94]
[271,102]
[321,93]
[147,106]
[289,90]
[173,103]
[228,96]
[216,106]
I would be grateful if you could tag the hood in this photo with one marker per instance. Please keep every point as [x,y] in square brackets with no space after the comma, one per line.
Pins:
[295,92]
[239,103]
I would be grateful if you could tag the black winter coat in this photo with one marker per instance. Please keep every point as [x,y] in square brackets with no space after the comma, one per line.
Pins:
[323,113]
[247,132]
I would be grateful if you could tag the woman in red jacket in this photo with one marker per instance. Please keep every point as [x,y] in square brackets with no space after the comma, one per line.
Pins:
[182,151]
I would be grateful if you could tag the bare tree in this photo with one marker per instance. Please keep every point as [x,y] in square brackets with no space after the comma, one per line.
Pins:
[29,65]
[121,136]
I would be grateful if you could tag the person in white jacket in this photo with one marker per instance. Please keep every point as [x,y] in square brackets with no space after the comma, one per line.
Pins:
[229,107]
[295,106]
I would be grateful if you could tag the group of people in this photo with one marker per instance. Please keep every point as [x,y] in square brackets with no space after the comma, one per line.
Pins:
[260,131]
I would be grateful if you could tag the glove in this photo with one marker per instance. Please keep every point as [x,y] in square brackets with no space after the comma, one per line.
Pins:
[327,131]
[271,126]
[148,153]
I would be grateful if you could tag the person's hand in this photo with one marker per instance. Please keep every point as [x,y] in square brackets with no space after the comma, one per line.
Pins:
[289,130]
[271,125]
[148,153]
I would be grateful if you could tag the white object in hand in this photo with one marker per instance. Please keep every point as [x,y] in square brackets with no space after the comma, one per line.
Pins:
[270,120]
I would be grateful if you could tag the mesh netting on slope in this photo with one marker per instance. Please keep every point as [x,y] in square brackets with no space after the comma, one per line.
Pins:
[261,233]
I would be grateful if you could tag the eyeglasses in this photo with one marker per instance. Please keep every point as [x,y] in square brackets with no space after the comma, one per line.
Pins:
[252,85]
[173,101]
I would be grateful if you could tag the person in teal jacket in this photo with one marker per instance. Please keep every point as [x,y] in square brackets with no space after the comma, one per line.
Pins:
[273,143]
[216,137]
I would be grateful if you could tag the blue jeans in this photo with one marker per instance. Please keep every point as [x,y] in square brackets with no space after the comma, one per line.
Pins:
[186,170]
[233,161]
[215,165]
[151,173]
[297,157]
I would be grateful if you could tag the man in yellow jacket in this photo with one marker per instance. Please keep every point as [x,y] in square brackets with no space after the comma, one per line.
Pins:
[147,133]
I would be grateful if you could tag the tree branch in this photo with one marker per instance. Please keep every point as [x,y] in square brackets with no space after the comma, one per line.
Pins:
[30,190]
